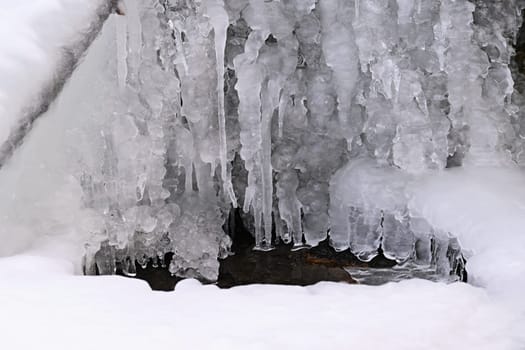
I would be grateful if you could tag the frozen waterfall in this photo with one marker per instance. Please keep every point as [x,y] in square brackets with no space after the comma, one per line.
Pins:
[314,117]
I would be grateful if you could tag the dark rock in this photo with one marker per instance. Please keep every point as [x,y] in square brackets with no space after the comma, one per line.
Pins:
[279,266]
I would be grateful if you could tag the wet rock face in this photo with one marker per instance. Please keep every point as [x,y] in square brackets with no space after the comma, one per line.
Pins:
[280,266]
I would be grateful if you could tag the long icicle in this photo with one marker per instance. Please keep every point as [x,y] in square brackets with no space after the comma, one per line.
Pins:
[220,21]
[121,24]
[266,166]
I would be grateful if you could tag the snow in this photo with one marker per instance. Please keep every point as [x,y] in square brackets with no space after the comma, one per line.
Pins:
[45,307]
[33,35]
[485,209]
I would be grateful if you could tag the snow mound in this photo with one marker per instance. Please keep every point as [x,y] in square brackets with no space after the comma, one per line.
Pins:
[64,312]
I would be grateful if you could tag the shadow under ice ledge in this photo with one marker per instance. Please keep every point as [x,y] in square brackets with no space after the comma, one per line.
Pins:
[286,266]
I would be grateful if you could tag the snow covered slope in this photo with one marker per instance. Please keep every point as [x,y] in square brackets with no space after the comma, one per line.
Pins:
[41,42]
[485,209]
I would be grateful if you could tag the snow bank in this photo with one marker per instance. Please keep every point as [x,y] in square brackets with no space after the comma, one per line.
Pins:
[44,307]
[485,209]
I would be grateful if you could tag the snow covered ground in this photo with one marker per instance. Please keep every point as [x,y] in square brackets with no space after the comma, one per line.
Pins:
[44,305]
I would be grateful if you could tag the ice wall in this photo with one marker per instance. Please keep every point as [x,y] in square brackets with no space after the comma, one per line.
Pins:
[316,118]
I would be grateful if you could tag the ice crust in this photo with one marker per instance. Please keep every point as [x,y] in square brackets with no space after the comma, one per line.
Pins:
[317,118]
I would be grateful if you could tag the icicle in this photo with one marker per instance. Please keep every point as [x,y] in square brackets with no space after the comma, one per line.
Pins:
[248,198]
[250,78]
[289,205]
[134,41]
[220,21]
[162,261]
[266,166]
[154,262]
[469,106]
[176,27]
[122,48]
[128,267]
[259,236]
[184,153]
[404,11]
[422,231]
[341,54]
[398,241]
[397,115]
[282,109]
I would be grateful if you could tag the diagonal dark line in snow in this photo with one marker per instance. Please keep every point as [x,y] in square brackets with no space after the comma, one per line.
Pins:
[71,56]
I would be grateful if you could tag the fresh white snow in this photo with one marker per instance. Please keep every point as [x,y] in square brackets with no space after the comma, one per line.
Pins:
[45,307]
[485,209]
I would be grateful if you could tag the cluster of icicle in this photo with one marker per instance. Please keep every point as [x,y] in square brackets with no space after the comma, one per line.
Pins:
[313,116]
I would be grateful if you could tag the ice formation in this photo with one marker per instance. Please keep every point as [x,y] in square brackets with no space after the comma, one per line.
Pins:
[313,116]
